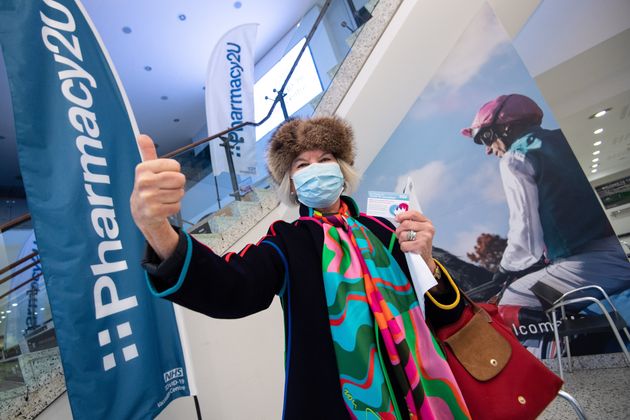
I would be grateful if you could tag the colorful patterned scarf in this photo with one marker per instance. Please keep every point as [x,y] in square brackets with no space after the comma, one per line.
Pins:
[363,284]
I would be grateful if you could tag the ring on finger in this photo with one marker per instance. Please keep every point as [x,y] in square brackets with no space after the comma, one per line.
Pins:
[411,235]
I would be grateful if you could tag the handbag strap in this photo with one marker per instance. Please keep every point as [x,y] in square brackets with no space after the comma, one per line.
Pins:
[476,308]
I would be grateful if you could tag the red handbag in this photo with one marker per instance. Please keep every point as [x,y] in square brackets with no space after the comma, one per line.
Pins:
[498,377]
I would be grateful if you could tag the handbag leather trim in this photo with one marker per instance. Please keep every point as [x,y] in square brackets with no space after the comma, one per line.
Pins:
[481,350]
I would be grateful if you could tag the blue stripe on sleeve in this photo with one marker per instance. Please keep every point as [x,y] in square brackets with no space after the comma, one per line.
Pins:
[182,275]
[286,266]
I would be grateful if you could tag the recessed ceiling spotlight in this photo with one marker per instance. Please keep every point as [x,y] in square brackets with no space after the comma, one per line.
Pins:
[41,309]
[148,68]
[598,131]
[182,17]
[176,120]
[595,160]
[596,152]
[593,171]
[600,113]
[597,143]
[126,30]
[14,304]
[237,4]
[164,98]
[8,311]
[595,165]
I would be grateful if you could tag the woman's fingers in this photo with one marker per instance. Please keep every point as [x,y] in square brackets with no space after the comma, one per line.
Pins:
[415,234]
[158,187]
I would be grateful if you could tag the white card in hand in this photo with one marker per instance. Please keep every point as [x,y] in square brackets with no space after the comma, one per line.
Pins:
[386,204]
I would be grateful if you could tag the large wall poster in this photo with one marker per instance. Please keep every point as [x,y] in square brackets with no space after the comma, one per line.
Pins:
[459,187]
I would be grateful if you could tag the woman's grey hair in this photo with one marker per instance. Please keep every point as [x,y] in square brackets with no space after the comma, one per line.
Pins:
[350,176]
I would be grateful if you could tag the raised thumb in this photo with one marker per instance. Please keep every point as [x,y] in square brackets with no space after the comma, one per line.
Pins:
[146,147]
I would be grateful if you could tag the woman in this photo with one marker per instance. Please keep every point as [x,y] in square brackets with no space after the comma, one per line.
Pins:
[357,343]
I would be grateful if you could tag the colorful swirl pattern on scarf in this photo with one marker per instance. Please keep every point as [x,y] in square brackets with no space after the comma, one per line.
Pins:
[364,283]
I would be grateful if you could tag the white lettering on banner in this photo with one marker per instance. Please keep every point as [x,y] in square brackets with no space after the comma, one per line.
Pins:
[534,328]
[236,94]
[173,373]
[58,38]
[172,384]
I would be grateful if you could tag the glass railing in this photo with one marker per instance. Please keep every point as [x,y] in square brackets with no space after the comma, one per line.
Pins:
[320,41]
[30,367]
[31,376]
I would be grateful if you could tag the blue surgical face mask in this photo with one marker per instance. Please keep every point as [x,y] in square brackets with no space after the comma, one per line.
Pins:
[319,185]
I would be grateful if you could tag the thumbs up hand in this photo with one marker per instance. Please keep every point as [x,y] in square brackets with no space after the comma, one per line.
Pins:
[157,193]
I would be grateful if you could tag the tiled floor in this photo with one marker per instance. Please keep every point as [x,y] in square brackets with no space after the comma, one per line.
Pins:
[602,393]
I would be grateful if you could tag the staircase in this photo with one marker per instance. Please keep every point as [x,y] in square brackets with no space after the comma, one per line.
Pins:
[221,229]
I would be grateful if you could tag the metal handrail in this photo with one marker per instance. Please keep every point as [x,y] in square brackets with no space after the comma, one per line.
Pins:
[17,221]
[20,271]
[18,262]
[19,286]
[280,93]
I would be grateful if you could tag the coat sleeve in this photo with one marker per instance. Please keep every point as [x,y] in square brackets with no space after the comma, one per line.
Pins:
[232,286]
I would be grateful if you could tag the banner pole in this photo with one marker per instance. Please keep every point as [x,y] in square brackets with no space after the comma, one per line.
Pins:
[197,407]
[232,170]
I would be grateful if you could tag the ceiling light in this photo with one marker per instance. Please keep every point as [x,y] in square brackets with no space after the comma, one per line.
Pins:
[598,131]
[2,316]
[164,97]
[593,171]
[14,304]
[182,17]
[596,152]
[600,114]
[8,311]
[237,4]
[126,29]
[176,120]
[148,68]
[42,309]
[595,160]
[595,165]
[36,313]
[597,143]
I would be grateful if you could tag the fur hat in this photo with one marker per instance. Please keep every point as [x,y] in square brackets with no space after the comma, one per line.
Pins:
[330,134]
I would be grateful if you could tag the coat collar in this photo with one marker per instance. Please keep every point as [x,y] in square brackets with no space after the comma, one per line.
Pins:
[352,207]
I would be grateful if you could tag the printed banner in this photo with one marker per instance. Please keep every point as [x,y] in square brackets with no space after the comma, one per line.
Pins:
[523,205]
[230,99]
[120,347]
